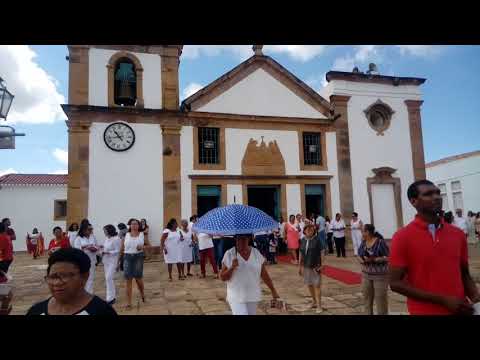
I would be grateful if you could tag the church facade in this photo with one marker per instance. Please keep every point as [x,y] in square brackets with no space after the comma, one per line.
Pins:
[257,135]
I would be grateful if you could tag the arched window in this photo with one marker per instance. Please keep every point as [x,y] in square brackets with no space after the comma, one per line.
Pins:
[125,83]
[379,116]
[125,80]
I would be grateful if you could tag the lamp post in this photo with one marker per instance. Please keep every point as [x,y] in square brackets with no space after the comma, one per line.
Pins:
[7,133]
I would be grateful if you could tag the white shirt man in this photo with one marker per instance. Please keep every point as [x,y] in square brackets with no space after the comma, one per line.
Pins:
[460,222]
[338,228]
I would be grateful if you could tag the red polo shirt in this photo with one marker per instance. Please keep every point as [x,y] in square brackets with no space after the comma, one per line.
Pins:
[433,265]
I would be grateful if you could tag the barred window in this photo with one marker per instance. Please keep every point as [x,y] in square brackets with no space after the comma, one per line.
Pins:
[312,154]
[60,209]
[208,145]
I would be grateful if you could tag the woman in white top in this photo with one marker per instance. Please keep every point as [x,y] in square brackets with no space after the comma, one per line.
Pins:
[205,246]
[132,250]
[338,227]
[187,244]
[111,252]
[242,268]
[171,246]
[86,242]
[328,229]
[72,233]
[356,227]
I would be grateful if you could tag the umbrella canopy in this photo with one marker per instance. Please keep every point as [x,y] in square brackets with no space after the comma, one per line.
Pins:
[234,219]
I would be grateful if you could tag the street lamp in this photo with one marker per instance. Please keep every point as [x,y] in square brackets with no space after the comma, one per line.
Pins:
[6,98]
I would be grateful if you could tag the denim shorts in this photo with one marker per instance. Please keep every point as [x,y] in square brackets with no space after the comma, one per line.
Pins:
[133,266]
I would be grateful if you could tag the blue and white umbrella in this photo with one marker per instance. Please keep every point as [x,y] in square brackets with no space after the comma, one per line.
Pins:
[234,219]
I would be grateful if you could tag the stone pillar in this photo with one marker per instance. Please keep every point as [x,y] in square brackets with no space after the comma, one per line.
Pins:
[78,170]
[78,74]
[170,92]
[416,138]
[172,197]
[339,103]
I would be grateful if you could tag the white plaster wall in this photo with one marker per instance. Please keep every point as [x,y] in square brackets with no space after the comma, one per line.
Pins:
[126,184]
[261,94]
[368,150]
[294,205]
[236,141]
[234,194]
[29,207]
[467,171]
[98,78]
[384,210]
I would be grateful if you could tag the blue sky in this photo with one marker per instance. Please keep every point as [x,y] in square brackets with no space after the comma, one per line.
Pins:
[38,76]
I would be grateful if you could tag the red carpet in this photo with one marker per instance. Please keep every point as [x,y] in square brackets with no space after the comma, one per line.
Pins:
[346,276]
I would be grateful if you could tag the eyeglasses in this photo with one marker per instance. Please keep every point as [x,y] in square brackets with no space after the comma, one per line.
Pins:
[63,277]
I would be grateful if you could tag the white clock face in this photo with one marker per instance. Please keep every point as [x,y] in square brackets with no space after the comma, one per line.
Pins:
[119,137]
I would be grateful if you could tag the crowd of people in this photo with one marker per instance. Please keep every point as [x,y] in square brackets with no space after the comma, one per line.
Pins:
[433,240]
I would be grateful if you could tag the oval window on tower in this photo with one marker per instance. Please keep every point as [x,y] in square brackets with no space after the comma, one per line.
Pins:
[379,116]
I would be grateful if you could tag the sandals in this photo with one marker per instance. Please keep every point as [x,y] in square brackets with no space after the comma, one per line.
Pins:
[128,307]
[170,279]
[314,306]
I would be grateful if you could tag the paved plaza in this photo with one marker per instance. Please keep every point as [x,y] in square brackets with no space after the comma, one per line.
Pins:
[196,296]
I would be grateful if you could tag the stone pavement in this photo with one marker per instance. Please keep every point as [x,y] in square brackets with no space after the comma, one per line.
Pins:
[196,296]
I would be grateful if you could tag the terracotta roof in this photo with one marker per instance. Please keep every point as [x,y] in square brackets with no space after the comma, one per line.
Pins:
[242,70]
[33,179]
[452,158]
[378,79]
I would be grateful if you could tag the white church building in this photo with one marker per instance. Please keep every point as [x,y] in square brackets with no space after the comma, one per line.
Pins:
[257,135]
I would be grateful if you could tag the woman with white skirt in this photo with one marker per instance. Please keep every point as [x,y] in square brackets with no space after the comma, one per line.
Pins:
[187,244]
[72,233]
[242,269]
[356,227]
[171,247]
[86,242]
[111,252]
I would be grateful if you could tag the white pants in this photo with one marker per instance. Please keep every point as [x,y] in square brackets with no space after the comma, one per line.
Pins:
[357,240]
[110,263]
[91,276]
[249,308]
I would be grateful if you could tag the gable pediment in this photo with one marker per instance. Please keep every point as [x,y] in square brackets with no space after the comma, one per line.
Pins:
[259,86]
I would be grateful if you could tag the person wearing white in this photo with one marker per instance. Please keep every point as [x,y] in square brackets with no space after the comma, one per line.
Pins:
[300,224]
[242,269]
[461,222]
[205,246]
[356,226]
[186,246]
[172,248]
[72,233]
[133,258]
[111,252]
[338,227]
[472,237]
[86,242]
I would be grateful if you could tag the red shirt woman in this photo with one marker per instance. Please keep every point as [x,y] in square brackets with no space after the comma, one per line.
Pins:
[6,249]
[59,242]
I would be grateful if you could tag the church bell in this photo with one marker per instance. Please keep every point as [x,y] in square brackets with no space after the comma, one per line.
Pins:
[125,80]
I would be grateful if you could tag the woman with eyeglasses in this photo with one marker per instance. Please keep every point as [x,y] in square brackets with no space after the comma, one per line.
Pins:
[86,242]
[67,273]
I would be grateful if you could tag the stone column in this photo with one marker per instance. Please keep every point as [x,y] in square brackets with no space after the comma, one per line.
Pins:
[416,138]
[170,92]
[78,170]
[340,104]
[78,74]
[172,198]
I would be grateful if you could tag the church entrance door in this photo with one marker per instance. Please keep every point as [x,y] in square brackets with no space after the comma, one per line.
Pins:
[265,198]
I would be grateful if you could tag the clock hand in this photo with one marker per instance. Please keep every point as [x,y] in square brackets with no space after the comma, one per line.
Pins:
[118,135]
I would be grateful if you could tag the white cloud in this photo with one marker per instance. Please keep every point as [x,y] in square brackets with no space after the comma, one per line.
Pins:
[61,155]
[60,172]
[8,171]
[191,89]
[37,99]
[363,54]
[419,50]
[301,53]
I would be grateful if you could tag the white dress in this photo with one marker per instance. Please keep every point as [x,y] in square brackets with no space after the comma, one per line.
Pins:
[186,246]
[111,249]
[71,237]
[173,247]
[81,242]
[356,235]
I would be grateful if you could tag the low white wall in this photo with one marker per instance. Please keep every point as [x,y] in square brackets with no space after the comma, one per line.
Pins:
[29,207]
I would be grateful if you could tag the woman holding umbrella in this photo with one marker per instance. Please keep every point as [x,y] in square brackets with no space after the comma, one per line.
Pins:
[243,266]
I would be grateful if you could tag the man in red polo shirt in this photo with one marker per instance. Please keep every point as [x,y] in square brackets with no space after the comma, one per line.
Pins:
[429,259]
